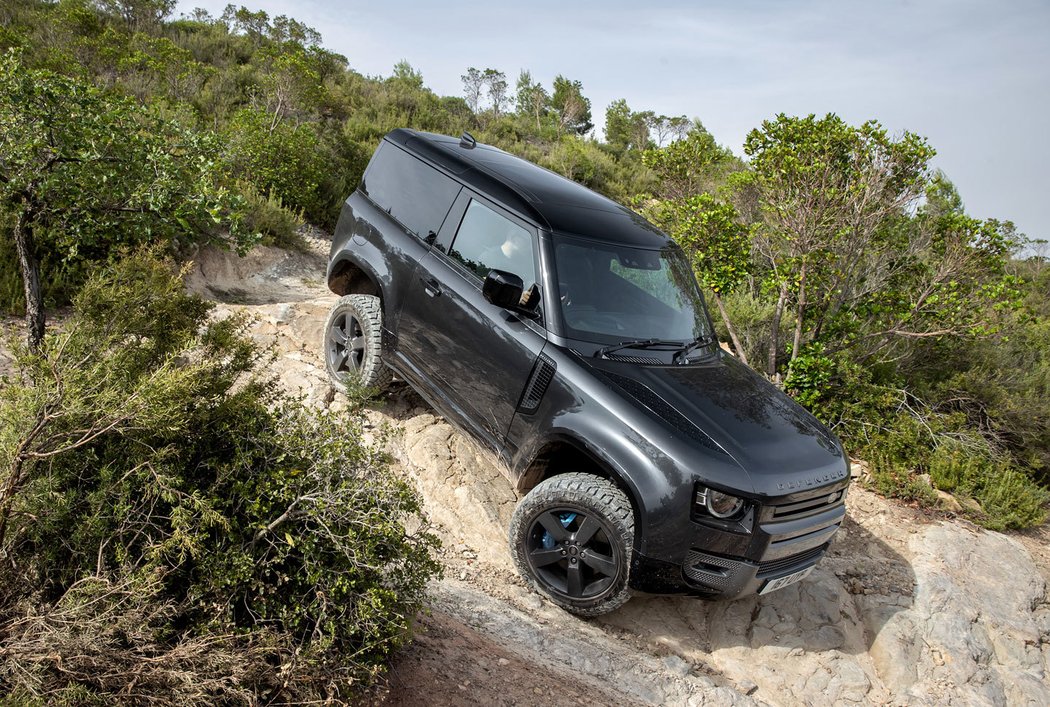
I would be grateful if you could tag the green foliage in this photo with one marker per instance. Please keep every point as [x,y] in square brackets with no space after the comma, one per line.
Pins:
[627,130]
[571,106]
[87,172]
[691,166]
[268,217]
[143,443]
[912,457]
[276,158]
[710,232]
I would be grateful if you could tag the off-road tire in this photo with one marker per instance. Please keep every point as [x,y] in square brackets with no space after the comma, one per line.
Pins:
[589,497]
[352,341]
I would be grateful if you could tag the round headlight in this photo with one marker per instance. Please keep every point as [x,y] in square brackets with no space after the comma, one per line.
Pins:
[723,505]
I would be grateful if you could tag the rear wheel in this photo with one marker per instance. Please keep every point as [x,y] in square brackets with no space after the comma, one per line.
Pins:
[352,342]
[572,538]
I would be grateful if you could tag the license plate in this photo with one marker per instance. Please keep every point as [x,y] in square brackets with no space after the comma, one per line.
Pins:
[781,582]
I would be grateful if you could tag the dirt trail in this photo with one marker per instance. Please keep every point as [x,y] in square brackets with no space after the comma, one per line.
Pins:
[905,609]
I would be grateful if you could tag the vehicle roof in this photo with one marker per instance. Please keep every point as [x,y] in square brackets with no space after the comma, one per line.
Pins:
[549,199]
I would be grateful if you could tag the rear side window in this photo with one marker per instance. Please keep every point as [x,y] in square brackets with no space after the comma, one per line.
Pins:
[488,241]
[408,189]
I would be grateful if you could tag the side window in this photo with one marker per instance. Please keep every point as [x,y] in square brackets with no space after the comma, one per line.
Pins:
[488,241]
[408,189]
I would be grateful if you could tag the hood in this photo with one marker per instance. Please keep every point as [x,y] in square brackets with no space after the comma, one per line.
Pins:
[780,445]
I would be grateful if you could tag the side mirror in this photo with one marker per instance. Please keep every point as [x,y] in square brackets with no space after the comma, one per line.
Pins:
[503,289]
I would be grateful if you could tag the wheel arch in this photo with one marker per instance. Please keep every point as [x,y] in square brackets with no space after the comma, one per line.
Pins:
[348,277]
[562,454]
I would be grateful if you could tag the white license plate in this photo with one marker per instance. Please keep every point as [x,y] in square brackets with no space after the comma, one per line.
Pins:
[781,582]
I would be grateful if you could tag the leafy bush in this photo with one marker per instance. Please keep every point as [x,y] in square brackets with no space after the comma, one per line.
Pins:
[1008,498]
[268,217]
[152,477]
[277,158]
[911,456]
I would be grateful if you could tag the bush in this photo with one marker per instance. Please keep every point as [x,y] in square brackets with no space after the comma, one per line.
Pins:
[910,457]
[268,217]
[153,477]
[1008,497]
[277,158]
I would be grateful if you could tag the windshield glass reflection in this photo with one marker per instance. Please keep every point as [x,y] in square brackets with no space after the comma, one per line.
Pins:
[610,292]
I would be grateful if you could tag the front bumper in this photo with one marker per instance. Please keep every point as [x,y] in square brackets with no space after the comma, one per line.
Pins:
[790,535]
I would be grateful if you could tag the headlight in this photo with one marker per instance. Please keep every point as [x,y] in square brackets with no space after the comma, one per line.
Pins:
[717,503]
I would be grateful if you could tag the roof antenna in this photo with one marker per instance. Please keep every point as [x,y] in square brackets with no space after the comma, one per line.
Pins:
[467,141]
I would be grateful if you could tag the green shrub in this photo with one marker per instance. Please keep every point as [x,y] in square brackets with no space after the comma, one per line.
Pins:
[911,457]
[1008,497]
[277,158]
[144,446]
[268,217]
[751,316]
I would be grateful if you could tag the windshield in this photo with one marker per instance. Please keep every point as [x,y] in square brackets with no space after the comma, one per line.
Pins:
[610,292]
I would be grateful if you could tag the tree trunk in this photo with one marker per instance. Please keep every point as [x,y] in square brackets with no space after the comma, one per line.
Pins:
[796,344]
[732,332]
[29,264]
[774,339]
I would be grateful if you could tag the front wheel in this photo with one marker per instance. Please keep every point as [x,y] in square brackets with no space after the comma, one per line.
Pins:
[352,342]
[572,538]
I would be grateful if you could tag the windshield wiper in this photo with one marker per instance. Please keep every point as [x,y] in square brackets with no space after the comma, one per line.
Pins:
[682,354]
[635,344]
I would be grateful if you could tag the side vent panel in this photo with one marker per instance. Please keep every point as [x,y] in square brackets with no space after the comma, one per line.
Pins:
[542,375]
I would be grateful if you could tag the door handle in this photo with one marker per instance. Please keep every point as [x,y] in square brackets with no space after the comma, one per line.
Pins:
[431,286]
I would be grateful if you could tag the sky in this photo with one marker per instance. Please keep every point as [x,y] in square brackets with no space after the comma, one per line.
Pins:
[972,77]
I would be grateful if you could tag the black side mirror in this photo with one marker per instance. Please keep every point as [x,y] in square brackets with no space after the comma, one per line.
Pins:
[503,289]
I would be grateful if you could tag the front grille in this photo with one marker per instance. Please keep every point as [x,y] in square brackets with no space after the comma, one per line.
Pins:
[772,567]
[809,507]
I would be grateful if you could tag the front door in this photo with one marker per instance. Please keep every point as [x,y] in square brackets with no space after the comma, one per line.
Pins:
[475,357]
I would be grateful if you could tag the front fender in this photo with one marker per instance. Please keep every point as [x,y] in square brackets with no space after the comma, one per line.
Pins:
[657,466]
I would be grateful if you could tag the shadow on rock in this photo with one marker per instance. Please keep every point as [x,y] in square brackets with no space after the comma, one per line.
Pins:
[841,605]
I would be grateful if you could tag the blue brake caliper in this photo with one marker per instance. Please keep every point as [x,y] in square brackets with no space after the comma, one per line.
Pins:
[565,519]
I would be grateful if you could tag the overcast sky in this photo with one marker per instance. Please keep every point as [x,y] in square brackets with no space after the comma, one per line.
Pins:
[974,78]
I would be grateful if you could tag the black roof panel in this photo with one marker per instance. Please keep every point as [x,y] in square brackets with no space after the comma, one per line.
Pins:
[549,199]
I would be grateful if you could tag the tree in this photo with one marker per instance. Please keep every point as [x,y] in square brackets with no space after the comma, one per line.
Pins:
[291,85]
[473,85]
[496,87]
[532,98]
[138,14]
[710,232]
[407,75]
[286,29]
[282,161]
[83,172]
[618,125]
[572,108]
[690,166]
[828,190]
[669,128]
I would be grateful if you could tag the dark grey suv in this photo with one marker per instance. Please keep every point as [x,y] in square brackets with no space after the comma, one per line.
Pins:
[568,335]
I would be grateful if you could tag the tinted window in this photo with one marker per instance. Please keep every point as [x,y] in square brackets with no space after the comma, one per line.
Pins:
[611,292]
[411,191]
[488,241]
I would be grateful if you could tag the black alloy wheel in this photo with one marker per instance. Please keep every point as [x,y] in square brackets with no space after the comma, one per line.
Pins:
[352,343]
[572,538]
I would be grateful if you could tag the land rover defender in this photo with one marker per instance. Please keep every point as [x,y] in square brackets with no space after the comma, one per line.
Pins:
[568,335]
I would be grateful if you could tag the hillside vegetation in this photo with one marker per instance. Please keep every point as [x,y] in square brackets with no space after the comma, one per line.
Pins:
[836,261]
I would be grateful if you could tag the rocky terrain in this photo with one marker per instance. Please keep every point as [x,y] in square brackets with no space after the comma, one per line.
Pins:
[907,608]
